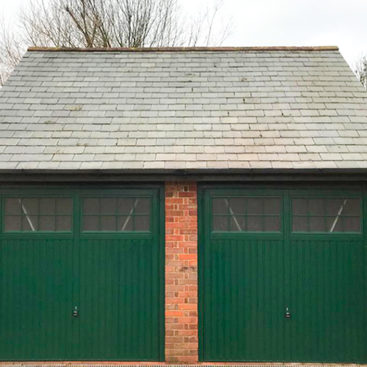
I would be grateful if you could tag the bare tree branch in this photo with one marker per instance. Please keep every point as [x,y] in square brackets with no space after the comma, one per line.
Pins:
[116,23]
[11,51]
[361,71]
[107,23]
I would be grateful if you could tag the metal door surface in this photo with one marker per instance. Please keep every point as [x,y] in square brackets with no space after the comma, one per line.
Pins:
[282,282]
[81,274]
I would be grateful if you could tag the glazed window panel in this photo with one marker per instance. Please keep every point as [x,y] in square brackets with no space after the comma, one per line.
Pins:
[246,214]
[116,214]
[35,214]
[326,215]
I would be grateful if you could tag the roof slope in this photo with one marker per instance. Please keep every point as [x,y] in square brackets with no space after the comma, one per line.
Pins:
[178,109]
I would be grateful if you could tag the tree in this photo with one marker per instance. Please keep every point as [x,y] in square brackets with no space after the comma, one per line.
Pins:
[361,71]
[108,24]
[11,51]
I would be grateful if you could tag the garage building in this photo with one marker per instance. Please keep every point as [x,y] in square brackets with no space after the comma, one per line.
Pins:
[183,205]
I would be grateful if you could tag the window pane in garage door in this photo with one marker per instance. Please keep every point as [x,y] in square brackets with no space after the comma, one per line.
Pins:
[38,214]
[326,215]
[246,214]
[115,214]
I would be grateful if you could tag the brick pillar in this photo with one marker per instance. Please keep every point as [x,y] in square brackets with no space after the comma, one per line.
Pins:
[181,273]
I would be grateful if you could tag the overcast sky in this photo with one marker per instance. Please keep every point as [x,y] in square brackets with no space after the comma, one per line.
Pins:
[280,22]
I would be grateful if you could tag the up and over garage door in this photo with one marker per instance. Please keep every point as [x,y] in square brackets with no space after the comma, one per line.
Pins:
[81,274]
[282,275]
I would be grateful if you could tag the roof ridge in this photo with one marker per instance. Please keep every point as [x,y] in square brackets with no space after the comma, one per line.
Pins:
[186,49]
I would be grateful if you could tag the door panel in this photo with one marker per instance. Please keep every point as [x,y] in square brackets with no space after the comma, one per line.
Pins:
[120,276]
[325,277]
[241,282]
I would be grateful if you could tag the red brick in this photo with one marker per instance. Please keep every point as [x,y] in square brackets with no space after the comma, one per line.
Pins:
[187,256]
[181,273]
[174,313]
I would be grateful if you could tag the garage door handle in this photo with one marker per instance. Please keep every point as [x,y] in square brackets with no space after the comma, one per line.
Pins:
[287,314]
[76,312]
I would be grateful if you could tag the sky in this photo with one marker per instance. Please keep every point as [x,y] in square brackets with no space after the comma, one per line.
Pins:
[276,22]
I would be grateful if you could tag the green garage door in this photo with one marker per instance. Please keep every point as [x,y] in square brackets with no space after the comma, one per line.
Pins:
[81,274]
[282,275]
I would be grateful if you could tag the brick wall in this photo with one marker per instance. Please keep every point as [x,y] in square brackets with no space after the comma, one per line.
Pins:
[181,273]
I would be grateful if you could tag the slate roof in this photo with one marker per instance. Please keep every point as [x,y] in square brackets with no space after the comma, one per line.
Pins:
[183,109]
